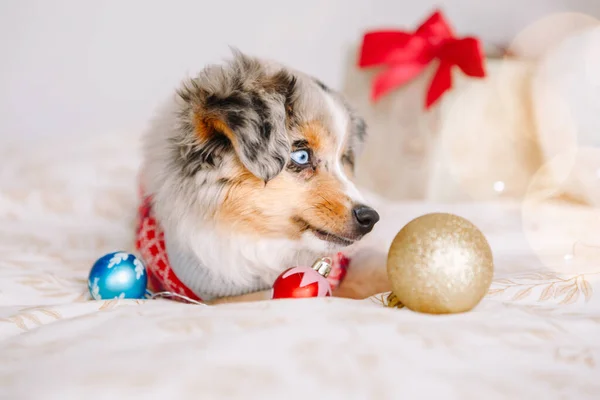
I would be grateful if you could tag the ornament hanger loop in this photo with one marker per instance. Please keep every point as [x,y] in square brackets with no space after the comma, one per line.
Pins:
[175,295]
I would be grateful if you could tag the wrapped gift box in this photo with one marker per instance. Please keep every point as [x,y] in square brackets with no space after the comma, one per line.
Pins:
[477,143]
[446,124]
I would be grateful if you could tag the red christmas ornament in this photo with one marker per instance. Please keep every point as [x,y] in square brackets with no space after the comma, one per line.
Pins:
[298,282]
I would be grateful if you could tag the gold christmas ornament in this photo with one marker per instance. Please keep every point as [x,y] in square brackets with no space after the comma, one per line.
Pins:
[440,263]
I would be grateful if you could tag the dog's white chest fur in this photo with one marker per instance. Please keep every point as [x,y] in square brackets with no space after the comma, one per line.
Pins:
[215,265]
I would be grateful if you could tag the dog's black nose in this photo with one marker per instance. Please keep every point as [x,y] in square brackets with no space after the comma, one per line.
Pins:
[365,218]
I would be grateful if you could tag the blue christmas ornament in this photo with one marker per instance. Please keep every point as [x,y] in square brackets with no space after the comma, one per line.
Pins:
[118,275]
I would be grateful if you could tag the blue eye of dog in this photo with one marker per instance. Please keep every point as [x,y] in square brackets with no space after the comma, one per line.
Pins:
[300,157]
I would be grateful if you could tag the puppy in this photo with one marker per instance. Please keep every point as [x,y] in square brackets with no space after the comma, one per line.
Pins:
[248,169]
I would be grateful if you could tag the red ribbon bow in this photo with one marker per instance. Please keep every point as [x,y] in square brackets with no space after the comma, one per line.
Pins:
[408,54]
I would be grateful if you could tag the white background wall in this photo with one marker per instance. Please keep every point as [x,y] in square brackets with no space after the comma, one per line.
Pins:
[88,67]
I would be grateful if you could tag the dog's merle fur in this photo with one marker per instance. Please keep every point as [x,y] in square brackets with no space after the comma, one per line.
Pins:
[256,105]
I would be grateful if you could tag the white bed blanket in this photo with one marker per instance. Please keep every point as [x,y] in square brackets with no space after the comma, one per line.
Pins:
[65,203]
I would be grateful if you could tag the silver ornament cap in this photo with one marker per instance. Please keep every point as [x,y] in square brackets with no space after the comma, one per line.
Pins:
[323,266]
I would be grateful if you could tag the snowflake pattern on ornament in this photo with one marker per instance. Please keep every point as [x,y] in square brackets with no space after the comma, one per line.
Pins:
[139,268]
[116,259]
[95,289]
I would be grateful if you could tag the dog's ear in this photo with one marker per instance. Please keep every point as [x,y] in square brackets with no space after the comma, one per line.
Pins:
[248,104]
